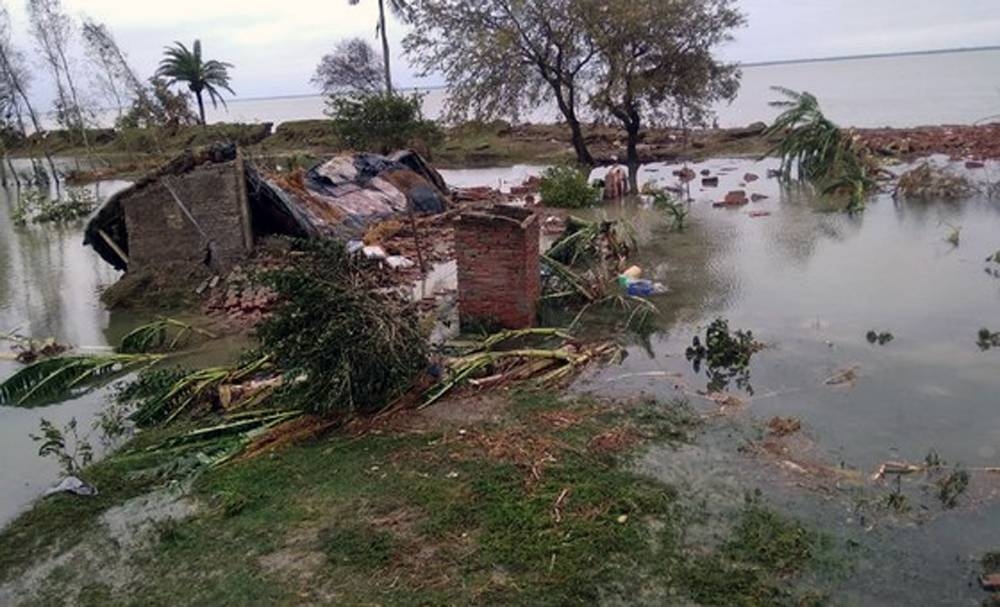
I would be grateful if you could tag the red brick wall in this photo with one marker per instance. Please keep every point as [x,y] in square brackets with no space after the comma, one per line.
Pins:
[498,267]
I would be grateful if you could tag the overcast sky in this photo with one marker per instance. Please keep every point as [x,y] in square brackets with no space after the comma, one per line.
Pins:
[275,44]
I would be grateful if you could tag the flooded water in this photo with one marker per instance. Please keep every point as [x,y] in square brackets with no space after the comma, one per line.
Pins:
[808,282]
[871,92]
[811,284]
[49,285]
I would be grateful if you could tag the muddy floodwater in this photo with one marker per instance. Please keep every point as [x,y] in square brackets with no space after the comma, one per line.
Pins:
[49,285]
[810,284]
[808,281]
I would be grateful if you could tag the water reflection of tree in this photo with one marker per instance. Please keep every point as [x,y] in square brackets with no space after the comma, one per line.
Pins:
[803,220]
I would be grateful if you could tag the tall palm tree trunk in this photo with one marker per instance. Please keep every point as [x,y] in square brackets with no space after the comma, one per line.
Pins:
[201,107]
[385,46]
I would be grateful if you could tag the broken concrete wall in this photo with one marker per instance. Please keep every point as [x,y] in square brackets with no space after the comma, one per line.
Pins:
[207,222]
[499,282]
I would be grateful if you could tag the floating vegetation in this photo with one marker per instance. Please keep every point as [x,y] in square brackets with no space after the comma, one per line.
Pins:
[675,209]
[726,355]
[987,339]
[35,206]
[163,334]
[818,151]
[954,236]
[993,269]
[927,181]
[951,487]
[879,337]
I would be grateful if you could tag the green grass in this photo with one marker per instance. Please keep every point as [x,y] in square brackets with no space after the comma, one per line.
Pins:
[403,518]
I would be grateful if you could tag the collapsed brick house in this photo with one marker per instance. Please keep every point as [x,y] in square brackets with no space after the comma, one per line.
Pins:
[208,207]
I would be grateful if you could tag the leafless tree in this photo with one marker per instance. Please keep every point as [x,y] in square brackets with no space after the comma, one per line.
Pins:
[352,68]
[14,76]
[52,30]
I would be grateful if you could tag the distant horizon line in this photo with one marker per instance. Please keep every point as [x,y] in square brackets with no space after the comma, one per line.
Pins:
[938,51]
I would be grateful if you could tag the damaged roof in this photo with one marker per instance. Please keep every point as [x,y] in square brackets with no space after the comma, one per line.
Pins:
[337,198]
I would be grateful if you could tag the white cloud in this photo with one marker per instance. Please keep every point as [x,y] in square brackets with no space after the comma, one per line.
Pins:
[276,45]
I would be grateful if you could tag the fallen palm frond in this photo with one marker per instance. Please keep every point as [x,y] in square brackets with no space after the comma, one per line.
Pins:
[212,386]
[593,241]
[56,378]
[487,367]
[818,151]
[494,340]
[161,334]
[928,181]
[219,443]
[570,283]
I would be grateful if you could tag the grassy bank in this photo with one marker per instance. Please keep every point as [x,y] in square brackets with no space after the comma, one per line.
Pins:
[527,499]
[132,152]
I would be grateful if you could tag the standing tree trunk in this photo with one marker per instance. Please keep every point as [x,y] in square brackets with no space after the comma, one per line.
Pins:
[568,109]
[201,107]
[385,47]
[632,158]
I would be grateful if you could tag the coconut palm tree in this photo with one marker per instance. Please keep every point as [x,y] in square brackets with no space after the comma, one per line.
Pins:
[401,9]
[183,65]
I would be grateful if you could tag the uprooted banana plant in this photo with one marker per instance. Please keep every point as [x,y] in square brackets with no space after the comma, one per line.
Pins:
[163,395]
[486,363]
[818,151]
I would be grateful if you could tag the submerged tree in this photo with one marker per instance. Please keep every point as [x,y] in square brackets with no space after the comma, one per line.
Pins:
[52,30]
[402,10]
[818,150]
[655,63]
[352,68]
[187,65]
[14,75]
[501,57]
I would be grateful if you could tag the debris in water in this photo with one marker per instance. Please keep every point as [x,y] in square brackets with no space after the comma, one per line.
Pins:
[74,485]
[759,213]
[879,337]
[844,377]
[930,182]
[954,235]
[783,426]
[988,339]
[951,487]
[734,198]
[28,350]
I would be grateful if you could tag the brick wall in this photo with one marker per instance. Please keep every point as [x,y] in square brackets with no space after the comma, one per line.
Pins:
[498,267]
[161,235]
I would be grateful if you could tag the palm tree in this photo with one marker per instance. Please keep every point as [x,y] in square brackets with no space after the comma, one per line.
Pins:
[183,65]
[400,8]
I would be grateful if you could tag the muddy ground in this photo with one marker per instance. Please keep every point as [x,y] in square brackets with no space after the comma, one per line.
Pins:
[300,143]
